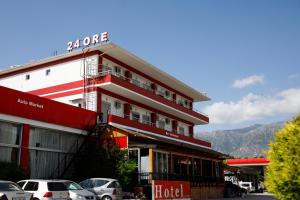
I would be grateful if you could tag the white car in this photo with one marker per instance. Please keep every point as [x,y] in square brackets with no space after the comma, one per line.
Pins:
[77,192]
[105,188]
[11,191]
[247,185]
[45,189]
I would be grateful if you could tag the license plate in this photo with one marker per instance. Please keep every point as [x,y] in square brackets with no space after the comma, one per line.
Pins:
[18,198]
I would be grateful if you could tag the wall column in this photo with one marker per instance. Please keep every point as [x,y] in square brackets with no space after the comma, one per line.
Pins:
[127,111]
[24,157]
[99,103]
[174,126]
[153,119]
[191,131]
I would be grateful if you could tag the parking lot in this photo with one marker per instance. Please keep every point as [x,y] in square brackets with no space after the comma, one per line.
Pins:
[253,196]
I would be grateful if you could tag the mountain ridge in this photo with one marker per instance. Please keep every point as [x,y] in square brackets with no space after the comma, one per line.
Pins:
[251,141]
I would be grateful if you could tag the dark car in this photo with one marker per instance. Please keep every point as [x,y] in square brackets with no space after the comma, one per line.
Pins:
[233,190]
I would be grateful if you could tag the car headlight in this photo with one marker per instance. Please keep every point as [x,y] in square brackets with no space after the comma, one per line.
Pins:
[80,196]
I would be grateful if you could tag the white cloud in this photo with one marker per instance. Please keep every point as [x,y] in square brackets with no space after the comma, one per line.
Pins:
[250,80]
[252,107]
[293,76]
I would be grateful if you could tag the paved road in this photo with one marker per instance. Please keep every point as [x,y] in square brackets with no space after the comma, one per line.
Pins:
[254,196]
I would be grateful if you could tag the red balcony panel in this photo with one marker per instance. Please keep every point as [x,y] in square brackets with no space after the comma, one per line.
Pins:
[158,131]
[149,94]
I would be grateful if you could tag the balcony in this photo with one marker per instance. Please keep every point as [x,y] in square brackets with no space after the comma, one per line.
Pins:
[143,93]
[151,129]
[195,180]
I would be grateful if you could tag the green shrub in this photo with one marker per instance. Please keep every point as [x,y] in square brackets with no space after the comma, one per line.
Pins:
[11,172]
[283,172]
[126,171]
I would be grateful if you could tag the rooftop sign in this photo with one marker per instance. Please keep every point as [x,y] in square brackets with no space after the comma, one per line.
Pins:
[87,41]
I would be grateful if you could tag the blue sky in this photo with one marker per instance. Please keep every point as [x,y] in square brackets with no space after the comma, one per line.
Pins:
[207,44]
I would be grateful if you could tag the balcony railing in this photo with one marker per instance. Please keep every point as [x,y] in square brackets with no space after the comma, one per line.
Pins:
[151,127]
[145,87]
[147,122]
[195,180]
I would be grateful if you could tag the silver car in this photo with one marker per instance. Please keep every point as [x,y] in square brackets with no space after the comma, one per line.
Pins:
[104,188]
[77,192]
[11,191]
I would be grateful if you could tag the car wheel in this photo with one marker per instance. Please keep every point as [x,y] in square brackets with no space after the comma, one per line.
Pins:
[106,198]
[35,198]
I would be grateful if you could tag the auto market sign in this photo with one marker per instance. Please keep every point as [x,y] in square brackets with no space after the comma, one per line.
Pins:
[162,190]
[87,41]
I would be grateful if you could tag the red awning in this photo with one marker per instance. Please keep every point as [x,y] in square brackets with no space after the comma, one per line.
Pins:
[247,161]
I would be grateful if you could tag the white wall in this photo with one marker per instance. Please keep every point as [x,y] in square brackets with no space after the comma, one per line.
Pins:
[59,74]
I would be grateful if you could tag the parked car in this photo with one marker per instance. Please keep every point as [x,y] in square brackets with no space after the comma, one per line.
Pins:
[45,189]
[247,185]
[104,188]
[233,190]
[77,192]
[11,191]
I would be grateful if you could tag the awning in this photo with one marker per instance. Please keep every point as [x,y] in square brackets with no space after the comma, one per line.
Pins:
[159,138]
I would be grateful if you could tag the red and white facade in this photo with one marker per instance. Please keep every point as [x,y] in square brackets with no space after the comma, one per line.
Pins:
[151,112]
[111,79]
[36,134]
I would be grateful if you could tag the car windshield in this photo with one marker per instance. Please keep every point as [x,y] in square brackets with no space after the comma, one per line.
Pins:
[245,184]
[73,186]
[9,187]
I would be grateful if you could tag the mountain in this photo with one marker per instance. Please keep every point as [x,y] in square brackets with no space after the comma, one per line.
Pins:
[251,141]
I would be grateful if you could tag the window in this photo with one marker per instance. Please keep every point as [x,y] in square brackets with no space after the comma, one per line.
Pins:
[136,82]
[31,186]
[86,184]
[161,93]
[117,105]
[167,120]
[48,72]
[99,182]
[27,77]
[57,186]
[135,116]
[9,134]
[117,70]
[73,186]
[181,130]
[186,102]
[21,183]
[9,187]
[146,119]
[161,124]
[167,93]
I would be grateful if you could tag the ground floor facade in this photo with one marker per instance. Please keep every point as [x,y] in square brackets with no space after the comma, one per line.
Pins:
[43,137]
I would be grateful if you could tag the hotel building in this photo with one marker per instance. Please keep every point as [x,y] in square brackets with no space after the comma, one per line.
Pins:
[149,112]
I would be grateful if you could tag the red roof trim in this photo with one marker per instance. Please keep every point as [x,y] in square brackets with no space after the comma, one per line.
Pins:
[249,161]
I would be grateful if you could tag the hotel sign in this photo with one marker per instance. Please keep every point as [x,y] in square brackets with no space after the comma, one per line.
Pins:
[162,190]
[87,41]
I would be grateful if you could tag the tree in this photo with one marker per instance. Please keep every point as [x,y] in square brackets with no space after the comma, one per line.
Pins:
[283,172]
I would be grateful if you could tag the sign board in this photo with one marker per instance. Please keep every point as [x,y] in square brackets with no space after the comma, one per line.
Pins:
[87,41]
[27,106]
[162,190]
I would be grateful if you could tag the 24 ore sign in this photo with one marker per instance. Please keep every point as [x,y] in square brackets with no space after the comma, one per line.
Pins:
[162,190]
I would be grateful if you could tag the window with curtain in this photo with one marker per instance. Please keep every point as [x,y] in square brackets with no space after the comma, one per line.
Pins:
[10,135]
[51,151]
